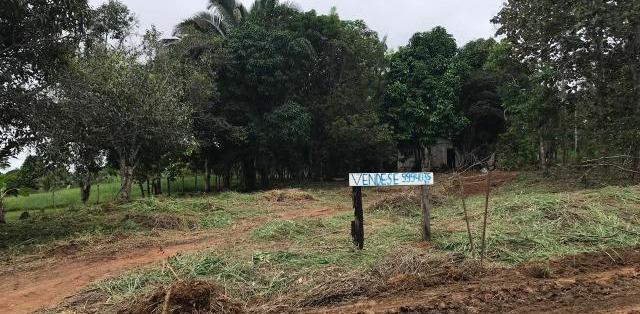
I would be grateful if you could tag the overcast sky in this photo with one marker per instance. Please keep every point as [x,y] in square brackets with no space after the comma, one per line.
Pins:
[397,19]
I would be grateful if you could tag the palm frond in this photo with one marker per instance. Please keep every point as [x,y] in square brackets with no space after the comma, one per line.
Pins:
[203,22]
[231,11]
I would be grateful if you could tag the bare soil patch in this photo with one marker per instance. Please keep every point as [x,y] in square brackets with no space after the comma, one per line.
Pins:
[586,283]
[185,297]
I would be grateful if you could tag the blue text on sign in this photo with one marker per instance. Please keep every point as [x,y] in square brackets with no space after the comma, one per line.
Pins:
[391,179]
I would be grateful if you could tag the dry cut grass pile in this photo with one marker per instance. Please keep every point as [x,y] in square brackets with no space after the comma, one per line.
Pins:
[288,195]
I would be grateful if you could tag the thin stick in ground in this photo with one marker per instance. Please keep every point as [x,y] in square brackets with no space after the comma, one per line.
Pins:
[486,213]
[167,298]
[466,215]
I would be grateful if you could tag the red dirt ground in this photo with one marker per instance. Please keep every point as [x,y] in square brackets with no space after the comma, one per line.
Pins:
[25,292]
[607,282]
[47,282]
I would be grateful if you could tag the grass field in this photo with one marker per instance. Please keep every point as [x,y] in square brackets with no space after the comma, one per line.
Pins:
[290,248]
[100,193]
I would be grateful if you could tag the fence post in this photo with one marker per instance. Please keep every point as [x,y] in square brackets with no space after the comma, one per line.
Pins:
[357,225]
[426,220]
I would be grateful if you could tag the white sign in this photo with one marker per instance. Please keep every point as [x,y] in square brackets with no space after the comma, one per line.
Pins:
[390,179]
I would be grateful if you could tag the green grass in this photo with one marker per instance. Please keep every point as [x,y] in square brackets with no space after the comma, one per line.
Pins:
[528,225]
[100,193]
[139,216]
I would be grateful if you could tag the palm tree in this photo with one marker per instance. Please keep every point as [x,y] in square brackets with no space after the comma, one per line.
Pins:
[224,15]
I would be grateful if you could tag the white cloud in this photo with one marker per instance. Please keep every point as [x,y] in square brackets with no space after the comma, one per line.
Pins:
[398,19]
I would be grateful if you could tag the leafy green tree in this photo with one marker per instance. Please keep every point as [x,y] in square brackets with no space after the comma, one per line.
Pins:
[421,97]
[131,108]
[32,169]
[287,77]
[36,38]
[111,21]
[479,101]
[586,52]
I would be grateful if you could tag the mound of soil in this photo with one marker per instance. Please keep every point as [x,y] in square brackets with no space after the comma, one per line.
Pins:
[288,195]
[186,297]
[66,249]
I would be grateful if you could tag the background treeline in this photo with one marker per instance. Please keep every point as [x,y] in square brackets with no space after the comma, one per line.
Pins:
[250,96]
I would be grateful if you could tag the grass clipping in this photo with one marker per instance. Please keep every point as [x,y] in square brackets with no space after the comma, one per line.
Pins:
[185,297]
[405,203]
[288,195]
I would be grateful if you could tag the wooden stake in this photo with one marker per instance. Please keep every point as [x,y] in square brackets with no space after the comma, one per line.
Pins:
[486,213]
[426,215]
[357,225]
[466,215]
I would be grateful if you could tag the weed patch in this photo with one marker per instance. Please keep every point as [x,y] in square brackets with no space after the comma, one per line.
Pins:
[279,230]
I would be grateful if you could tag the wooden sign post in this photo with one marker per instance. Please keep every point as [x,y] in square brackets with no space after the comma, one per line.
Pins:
[359,180]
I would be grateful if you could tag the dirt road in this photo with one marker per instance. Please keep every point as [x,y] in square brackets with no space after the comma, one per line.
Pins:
[45,283]
[24,292]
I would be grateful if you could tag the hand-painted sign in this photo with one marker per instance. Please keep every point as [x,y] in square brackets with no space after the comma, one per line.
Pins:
[390,179]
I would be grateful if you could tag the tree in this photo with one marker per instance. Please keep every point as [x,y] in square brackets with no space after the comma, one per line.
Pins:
[587,53]
[124,106]
[227,14]
[286,77]
[36,38]
[479,101]
[420,100]
[111,21]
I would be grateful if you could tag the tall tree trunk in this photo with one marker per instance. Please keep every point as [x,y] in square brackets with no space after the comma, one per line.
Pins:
[2,219]
[542,154]
[207,176]
[227,179]
[85,190]
[249,174]
[418,154]
[168,186]
[141,188]
[264,177]
[159,185]
[126,181]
